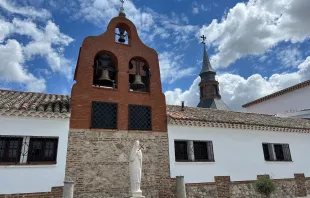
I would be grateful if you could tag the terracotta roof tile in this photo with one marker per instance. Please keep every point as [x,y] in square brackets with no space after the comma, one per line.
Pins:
[233,117]
[49,105]
[37,102]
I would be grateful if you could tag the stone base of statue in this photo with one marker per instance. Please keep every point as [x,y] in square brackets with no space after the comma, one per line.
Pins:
[137,194]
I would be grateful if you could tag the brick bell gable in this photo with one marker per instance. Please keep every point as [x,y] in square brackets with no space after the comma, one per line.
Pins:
[83,91]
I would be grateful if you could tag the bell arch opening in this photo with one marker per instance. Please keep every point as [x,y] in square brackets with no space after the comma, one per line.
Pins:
[122,34]
[105,70]
[139,75]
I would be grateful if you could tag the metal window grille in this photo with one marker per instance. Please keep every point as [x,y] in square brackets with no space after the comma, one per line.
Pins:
[203,151]
[104,115]
[180,149]
[42,150]
[27,149]
[140,117]
[10,148]
[277,152]
[266,152]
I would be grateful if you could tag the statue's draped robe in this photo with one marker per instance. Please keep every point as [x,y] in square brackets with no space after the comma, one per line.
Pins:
[135,166]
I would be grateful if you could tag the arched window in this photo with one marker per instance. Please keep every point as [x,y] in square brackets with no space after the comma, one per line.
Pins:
[105,72]
[139,75]
[122,34]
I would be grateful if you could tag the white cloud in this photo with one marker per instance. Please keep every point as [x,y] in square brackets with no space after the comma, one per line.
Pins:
[44,43]
[237,90]
[256,26]
[12,70]
[6,29]
[289,57]
[148,22]
[171,67]
[195,10]
[48,43]
[25,11]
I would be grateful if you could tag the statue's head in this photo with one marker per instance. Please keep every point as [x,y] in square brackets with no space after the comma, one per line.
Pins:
[137,143]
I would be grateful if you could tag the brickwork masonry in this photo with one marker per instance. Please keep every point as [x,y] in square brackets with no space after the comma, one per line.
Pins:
[55,193]
[97,162]
[224,188]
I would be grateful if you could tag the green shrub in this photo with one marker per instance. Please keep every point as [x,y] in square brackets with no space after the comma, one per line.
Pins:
[265,186]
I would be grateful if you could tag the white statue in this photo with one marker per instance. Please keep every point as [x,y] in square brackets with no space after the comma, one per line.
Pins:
[135,167]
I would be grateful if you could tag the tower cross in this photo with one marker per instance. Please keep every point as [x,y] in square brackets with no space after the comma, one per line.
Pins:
[203,39]
[122,7]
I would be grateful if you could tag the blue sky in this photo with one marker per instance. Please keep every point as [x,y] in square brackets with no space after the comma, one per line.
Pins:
[256,46]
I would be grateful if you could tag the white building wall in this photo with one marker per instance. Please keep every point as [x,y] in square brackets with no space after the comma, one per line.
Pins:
[34,178]
[239,154]
[295,100]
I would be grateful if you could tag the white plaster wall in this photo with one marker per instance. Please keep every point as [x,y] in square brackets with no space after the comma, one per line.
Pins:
[239,154]
[295,100]
[34,178]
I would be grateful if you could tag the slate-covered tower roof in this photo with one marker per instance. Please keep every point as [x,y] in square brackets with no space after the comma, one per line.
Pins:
[210,96]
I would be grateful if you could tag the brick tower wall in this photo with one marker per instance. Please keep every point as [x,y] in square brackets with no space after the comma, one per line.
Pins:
[97,159]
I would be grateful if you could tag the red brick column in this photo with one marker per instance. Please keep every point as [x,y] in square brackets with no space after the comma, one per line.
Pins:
[300,180]
[222,185]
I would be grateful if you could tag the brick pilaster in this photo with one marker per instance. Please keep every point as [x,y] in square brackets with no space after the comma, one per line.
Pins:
[300,180]
[222,185]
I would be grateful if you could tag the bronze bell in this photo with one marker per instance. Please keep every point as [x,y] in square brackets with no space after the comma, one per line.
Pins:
[121,35]
[105,78]
[137,83]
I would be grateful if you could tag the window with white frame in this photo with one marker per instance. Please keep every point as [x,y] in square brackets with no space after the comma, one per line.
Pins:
[189,150]
[276,152]
[28,149]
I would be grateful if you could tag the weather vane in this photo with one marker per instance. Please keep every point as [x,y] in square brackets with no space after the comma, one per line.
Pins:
[203,39]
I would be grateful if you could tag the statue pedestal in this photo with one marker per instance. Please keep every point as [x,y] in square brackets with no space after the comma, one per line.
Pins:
[137,194]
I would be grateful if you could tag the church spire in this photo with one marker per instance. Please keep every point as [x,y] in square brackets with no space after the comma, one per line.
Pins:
[206,65]
[209,88]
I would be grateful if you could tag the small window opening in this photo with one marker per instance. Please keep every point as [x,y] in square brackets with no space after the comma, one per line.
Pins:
[105,73]
[139,76]
[276,152]
[214,90]
[121,36]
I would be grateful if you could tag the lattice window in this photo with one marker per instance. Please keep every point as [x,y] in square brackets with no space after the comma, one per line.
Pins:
[277,152]
[104,115]
[10,148]
[203,151]
[42,149]
[180,148]
[28,149]
[140,117]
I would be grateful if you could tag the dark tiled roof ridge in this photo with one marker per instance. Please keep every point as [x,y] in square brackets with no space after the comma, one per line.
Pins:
[33,92]
[233,117]
[210,109]
[12,100]
[278,93]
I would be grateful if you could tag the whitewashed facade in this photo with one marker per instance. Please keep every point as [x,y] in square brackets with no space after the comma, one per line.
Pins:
[238,153]
[295,100]
[23,178]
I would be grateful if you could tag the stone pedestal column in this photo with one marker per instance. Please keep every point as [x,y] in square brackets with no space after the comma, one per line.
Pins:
[180,187]
[68,189]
